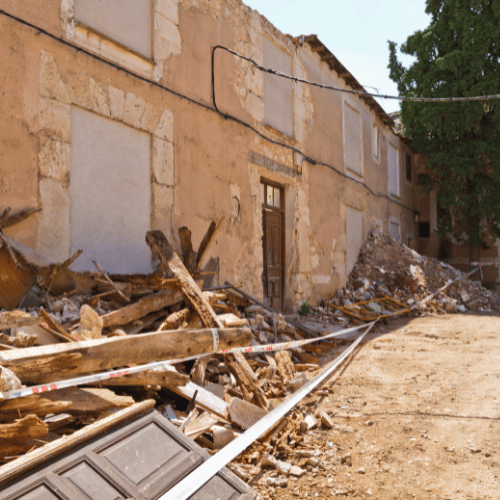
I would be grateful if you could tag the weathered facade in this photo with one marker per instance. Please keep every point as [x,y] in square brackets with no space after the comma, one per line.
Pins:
[116,119]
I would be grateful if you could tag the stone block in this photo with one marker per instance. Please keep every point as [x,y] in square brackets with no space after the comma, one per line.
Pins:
[164,49]
[98,98]
[163,162]
[163,207]
[51,82]
[53,240]
[168,9]
[168,30]
[116,102]
[165,129]
[133,109]
[151,117]
[79,89]
[55,118]
[54,160]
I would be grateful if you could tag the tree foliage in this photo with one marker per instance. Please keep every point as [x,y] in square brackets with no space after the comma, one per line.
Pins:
[457,55]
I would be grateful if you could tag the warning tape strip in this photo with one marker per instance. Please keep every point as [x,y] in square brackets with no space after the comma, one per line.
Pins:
[200,476]
[99,377]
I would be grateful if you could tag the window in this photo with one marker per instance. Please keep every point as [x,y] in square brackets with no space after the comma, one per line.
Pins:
[110,193]
[128,22]
[393,170]
[408,168]
[271,195]
[352,139]
[376,142]
[424,230]
[395,229]
[278,91]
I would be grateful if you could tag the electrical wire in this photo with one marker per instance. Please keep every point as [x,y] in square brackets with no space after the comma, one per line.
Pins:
[307,158]
[360,92]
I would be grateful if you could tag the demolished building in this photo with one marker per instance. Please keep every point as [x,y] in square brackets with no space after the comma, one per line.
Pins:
[121,117]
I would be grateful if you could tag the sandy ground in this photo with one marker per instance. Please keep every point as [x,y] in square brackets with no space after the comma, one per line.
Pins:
[417,410]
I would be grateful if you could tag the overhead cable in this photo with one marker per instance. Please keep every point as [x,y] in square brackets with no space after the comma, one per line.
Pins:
[360,92]
[307,158]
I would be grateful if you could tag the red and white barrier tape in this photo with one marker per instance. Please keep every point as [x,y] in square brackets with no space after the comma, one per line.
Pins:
[99,377]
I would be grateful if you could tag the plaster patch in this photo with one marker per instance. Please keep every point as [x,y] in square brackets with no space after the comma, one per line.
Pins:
[163,161]
[53,239]
[164,48]
[55,118]
[54,160]
[51,82]
[235,193]
[321,279]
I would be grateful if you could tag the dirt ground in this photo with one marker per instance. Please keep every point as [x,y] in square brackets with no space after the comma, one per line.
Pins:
[417,410]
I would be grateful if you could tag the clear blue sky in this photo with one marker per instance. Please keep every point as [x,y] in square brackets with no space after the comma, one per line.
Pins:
[356,31]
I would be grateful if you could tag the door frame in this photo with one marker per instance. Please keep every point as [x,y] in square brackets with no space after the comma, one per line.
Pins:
[265,183]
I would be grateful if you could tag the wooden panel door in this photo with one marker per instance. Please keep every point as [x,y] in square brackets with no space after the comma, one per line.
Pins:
[142,460]
[273,246]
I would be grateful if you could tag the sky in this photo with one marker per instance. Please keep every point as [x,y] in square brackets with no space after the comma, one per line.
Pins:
[355,31]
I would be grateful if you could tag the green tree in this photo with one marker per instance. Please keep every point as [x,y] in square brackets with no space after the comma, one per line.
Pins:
[457,55]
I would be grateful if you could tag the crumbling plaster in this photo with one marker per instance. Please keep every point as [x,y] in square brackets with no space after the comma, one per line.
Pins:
[79,88]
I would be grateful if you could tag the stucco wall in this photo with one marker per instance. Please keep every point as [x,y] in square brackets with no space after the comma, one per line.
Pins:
[203,166]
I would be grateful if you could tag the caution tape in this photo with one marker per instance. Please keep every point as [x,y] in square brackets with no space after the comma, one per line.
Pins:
[100,377]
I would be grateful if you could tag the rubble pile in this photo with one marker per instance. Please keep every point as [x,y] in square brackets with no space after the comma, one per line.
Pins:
[388,268]
[72,325]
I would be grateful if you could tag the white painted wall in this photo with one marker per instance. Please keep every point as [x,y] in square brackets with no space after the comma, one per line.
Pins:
[354,235]
[110,193]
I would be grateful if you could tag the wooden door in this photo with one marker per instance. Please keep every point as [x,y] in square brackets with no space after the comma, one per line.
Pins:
[273,247]
[142,460]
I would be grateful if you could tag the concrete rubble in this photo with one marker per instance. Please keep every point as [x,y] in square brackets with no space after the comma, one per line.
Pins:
[216,398]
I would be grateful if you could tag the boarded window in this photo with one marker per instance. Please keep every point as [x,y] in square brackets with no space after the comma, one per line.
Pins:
[352,139]
[408,168]
[376,142]
[395,229]
[393,170]
[128,22]
[354,234]
[110,193]
[278,93]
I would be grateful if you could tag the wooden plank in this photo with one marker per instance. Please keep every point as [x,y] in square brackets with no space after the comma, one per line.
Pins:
[102,354]
[175,320]
[171,261]
[54,327]
[15,319]
[18,216]
[33,405]
[229,320]
[13,437]
[209,237]
[247,379]
[149,378]
[204,399]
[142,307]
[189,256]
[51,450]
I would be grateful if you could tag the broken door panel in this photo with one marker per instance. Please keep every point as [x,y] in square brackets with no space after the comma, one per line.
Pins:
[143,459]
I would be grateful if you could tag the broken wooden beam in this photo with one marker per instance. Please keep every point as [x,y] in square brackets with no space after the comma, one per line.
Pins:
[56,448]
[14,437]
[209,237]
[18,216]
[33,405]
[141,308]
[102,354]
[15,319]
[171,262]
[189,256]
